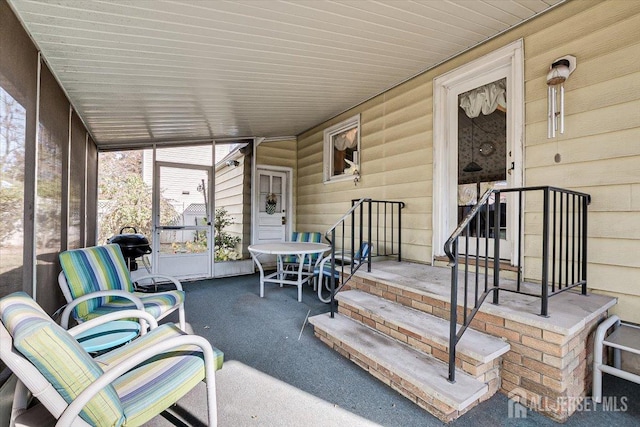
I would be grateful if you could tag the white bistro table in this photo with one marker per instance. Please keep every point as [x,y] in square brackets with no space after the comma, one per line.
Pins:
[300,249]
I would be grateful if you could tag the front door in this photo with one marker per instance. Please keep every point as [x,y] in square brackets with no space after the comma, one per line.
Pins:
[478,133]
[182,220]
[271,206]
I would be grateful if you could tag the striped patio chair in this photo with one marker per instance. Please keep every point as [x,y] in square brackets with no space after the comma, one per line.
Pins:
[127,386]
[95,281]
[291,262]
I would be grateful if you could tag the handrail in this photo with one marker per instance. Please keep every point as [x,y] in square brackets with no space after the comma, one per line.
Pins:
[564,253]
[360,234]
[463,225]
[344,217]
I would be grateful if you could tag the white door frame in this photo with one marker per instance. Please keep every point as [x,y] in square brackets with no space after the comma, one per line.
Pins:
[254,197]
[157,165]
[508,62]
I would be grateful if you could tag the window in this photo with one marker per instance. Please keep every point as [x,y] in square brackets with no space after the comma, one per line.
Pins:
[341,150]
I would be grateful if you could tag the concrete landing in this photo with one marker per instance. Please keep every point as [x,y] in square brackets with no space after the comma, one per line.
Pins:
[569,312]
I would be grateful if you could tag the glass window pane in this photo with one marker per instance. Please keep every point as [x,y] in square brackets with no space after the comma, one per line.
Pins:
[124,196]
[183,196]
[183,241]
[75,235]
[13,119]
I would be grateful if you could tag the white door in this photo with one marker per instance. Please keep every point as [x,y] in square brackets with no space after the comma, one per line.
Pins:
[271,206]
[473,152]
[182,220]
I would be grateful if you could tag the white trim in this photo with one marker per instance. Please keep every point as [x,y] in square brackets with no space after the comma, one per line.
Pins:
[34,243]
[85,190]
[327,150]
[508,62]
[157,165]
[290,225]
[68,179]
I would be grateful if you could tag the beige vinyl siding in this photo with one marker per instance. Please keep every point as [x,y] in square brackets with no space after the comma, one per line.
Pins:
[395,158]
[277,153]
[230,195]
[600,150]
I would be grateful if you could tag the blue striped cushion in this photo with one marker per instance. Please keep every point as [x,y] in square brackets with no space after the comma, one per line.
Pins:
[155,304]
[306,237]
[98,268]
[59,357]
[159,383]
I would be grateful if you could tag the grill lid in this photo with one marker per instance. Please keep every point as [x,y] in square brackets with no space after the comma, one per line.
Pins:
[133,240]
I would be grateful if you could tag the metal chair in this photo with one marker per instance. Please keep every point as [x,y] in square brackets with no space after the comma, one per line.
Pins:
[125,386]
[343,259]
[95,281]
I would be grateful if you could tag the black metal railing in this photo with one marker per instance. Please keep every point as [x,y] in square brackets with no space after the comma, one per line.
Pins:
[371,228]
[561,217]
[383,221]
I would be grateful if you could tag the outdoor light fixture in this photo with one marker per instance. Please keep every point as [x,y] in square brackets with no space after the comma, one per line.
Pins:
[233,163]
[559,71]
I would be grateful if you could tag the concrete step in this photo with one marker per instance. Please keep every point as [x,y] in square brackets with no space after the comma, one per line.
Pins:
[477,354]
[417,376]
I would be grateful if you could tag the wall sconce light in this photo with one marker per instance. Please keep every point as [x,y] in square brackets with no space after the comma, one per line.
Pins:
[233,163]
[559,71]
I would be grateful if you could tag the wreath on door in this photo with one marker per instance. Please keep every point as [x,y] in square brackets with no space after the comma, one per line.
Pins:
[272,201]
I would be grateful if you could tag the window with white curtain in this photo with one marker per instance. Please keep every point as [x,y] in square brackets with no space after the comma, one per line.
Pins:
[342,150]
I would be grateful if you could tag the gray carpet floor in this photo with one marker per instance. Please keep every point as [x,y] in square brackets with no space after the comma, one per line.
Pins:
[278,374]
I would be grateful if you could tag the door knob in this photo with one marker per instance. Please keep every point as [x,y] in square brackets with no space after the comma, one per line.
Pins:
[284,220]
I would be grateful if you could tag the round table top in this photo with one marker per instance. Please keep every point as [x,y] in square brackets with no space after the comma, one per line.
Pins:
[108,335]
[284,248]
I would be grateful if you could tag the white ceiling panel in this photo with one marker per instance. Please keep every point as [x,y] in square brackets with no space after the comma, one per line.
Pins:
[141,71]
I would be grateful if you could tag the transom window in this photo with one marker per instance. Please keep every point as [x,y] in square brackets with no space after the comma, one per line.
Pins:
[342,150]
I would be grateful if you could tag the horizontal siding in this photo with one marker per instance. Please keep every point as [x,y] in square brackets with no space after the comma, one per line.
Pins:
[395,161]
[628,307]
[230,195]
[277,153]
[600,150]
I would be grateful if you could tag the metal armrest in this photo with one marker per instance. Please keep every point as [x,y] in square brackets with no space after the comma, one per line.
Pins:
[177,284]
[143,317]
[66,314]
[72,411]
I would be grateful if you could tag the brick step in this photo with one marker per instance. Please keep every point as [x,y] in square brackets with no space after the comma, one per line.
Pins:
[417,376]
[477,354]
[430,293]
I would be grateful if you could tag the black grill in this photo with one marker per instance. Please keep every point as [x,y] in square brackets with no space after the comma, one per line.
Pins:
[133,246]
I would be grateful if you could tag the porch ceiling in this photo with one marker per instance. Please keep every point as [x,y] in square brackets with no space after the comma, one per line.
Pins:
[141,71]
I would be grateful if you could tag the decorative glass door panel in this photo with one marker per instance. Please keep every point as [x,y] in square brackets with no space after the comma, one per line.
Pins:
[482,163]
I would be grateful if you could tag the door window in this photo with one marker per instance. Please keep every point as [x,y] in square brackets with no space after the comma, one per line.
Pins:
[482,148]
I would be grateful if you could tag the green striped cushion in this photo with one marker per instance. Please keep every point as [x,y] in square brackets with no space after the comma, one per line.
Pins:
[99,268]
[306,237]
[59,357]
[172,374]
